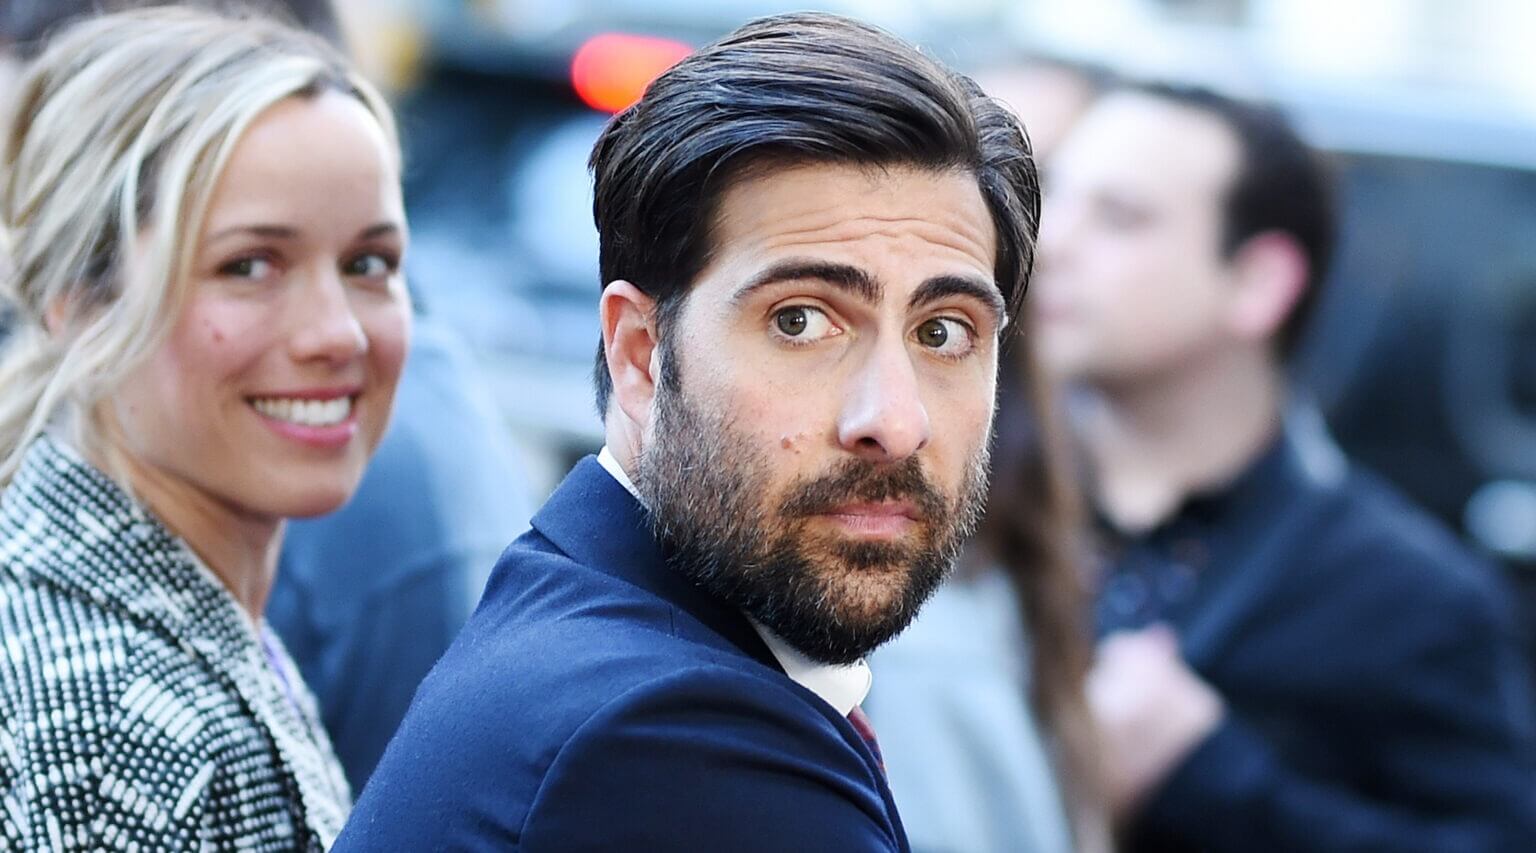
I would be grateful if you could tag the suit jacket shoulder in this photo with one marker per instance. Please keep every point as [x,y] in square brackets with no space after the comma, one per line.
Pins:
[598,701]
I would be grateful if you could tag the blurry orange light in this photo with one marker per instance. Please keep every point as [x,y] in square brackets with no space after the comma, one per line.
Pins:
[611,71]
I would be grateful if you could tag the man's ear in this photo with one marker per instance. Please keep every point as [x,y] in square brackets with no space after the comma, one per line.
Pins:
[1271,276]
[629,344]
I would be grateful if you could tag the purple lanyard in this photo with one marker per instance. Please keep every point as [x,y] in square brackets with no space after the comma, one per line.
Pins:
[269,647]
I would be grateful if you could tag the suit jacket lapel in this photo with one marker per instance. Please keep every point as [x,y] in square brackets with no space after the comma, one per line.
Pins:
[593,519]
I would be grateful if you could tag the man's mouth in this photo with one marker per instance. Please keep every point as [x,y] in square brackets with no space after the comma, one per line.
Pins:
[882,519]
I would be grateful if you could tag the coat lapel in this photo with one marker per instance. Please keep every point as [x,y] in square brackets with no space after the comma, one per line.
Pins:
[594,520]
[99,544]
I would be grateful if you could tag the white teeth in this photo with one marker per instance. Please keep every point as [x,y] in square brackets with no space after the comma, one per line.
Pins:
[305,412]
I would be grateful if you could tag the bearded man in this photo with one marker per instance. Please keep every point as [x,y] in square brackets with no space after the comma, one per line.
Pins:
[812,237]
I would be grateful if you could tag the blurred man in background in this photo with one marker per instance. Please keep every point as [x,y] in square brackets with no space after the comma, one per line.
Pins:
[367,598]
[1293,658]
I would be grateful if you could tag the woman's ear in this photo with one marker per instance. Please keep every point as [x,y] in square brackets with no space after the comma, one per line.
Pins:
[58,315]
[628,319]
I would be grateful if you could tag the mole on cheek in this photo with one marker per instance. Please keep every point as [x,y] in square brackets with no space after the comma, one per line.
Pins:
[793,442]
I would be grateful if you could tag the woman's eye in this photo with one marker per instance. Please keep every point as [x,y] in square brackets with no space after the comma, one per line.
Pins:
[371,265]
[946,336]
[252,268]
[803,324]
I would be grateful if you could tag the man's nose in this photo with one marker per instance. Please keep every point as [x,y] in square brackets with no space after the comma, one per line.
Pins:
[883,418]
[327,326]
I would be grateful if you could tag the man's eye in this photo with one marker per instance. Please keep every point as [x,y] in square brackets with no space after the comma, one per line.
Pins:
[946,336]
[803,324]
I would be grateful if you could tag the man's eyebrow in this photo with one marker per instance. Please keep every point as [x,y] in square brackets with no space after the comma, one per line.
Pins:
[841,276]
[985,292]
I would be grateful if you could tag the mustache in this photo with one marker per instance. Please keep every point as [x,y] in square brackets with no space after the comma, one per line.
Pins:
[858,480]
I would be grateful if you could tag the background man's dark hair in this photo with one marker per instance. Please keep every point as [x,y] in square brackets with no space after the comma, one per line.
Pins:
[788,90]
[28,23]
[1281,185]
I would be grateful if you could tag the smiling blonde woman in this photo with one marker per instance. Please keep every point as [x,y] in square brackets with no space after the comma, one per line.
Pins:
[204,227]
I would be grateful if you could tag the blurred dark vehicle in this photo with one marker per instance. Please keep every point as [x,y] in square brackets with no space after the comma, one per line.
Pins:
[1423,357]
[1424,353]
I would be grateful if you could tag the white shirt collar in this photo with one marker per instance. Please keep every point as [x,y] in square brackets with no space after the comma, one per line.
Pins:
[612,466]
[842,687]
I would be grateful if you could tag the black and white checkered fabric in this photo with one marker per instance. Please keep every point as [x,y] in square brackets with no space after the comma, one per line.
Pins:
[138,709]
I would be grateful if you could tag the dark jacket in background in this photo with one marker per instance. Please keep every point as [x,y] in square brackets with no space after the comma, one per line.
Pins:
[369,597]
[1377,699]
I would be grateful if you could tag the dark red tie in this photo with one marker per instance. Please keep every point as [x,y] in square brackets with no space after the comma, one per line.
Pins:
[866,730]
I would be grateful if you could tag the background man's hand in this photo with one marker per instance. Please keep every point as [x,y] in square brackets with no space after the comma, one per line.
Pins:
[1151,709]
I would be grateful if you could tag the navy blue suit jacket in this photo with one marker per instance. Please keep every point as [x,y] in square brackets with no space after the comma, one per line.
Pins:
[599,701]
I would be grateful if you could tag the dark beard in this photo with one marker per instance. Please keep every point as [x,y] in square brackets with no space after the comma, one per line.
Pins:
[832,599]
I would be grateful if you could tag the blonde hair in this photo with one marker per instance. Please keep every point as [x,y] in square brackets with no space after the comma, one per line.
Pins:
[120,131]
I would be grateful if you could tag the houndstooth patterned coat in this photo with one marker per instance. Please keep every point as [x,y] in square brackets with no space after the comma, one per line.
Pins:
[138,707]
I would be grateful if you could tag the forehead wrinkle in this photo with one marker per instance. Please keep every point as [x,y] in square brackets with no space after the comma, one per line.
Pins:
[893,228]
[938,220]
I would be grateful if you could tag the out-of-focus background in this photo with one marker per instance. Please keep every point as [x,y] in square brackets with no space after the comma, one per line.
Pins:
[1424,354]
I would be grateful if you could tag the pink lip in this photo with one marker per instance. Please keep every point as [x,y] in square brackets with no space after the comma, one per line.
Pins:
[875,520]
[324,437]
[332,437]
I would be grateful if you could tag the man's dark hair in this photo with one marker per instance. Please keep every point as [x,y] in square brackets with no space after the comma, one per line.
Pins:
[793,89]
[1281,185]
[28,23]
